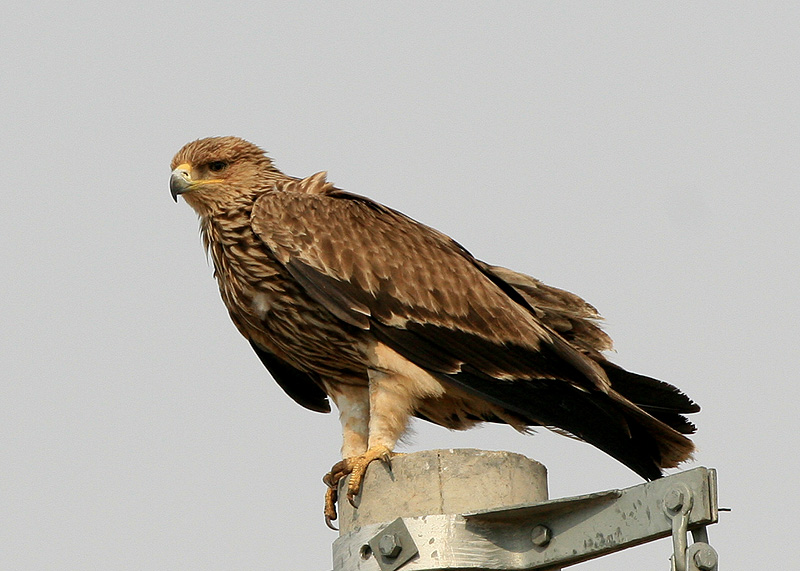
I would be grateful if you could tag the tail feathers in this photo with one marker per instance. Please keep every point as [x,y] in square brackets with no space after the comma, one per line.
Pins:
[607,421]
[672,419]
[672,446]
[650,394]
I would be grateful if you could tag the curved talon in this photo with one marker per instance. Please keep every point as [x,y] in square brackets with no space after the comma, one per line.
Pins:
[331,479]
[351,500]
[356,467]
[359,469]
[330,507]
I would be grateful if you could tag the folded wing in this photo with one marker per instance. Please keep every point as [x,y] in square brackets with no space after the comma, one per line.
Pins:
[494,333]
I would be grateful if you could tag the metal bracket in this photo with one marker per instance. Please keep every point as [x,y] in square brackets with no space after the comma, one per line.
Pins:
[391,547]
[700,556]
[551,534]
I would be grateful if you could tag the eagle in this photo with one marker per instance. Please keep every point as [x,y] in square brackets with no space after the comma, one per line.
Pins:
[344,299]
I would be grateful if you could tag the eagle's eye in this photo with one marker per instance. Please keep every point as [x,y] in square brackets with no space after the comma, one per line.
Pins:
[217,166]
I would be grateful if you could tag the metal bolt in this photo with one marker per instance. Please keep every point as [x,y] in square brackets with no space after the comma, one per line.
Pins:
[705,558]
[541,535]
[389,546]
[673,501]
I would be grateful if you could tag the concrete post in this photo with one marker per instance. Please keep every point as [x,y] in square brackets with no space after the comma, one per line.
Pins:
[443,482]
[437,482]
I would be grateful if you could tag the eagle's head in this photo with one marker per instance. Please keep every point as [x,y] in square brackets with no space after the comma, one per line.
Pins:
[218,173]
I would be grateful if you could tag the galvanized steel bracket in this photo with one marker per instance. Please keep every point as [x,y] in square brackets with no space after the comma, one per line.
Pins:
[391,547]
[700,556]
[551,534]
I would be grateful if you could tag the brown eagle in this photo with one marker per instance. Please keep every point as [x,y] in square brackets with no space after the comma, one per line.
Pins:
[345,298]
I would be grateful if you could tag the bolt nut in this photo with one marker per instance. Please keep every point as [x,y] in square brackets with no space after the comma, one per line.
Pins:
[673,501]
[705,558]
[541,535]
[389,546]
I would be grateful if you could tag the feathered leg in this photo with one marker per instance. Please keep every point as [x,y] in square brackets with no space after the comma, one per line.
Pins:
[353,405]
[387,415]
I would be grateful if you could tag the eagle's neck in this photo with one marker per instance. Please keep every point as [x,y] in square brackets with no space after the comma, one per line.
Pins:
[243,266]
[221,233]
[221,229]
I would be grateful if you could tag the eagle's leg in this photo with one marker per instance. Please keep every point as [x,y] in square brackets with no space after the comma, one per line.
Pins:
[389,412]
[384,411]
[353,404]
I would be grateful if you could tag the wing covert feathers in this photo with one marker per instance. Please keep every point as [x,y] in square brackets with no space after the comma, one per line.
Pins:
[368,264]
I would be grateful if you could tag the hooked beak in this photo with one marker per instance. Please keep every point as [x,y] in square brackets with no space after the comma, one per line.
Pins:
[180,181]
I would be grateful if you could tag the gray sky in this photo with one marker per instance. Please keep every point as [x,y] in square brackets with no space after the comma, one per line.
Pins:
[642,155]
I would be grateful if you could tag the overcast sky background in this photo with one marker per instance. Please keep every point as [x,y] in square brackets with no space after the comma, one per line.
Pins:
[643,155]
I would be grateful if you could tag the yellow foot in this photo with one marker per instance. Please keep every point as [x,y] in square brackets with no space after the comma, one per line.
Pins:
[356,466]
[331,495]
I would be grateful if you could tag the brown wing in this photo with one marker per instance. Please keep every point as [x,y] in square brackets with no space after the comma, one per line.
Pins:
[470,324]
[562,311]
[415,288]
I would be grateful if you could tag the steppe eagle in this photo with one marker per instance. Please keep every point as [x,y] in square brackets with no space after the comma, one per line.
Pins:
[347,299]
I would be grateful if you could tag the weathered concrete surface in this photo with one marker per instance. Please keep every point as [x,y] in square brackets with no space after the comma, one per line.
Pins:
[443,482]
